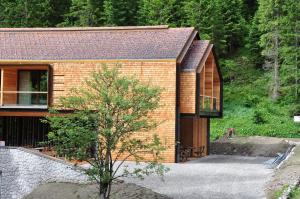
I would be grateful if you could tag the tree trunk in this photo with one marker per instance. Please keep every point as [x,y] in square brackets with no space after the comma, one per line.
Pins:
[104,190]
[275,93]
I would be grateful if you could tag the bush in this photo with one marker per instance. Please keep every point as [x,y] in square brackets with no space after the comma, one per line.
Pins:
[258,117]
[294,110]
[251,101]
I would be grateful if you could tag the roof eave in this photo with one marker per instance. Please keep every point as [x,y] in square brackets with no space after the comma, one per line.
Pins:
[3,62]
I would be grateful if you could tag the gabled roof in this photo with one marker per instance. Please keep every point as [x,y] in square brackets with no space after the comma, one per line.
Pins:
[128,43]
[195,55]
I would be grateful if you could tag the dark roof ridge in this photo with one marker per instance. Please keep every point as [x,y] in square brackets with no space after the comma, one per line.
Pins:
[85,28]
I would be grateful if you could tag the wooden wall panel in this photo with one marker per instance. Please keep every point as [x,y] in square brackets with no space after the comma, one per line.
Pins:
[10,83]
[202,122]
[187,132]
[188,92]
[158,73]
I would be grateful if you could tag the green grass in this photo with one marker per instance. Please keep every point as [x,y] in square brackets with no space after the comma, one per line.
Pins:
[279,192]
[242,119]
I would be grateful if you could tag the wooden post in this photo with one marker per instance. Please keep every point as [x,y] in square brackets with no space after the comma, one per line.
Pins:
[2,81]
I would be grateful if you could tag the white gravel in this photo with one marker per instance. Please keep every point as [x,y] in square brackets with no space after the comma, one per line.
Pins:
[215,176]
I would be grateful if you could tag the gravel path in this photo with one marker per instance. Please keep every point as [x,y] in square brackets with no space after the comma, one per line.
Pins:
[215,176]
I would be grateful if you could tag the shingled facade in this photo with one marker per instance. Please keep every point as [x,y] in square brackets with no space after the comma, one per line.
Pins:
[39,65]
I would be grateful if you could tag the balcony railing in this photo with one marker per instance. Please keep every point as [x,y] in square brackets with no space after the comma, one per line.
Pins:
[209,104]
[24,99]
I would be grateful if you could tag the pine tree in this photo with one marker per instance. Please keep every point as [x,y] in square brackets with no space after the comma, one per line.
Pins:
[203,14]
[158,12]
[253,43]
[231,12]
[290,51]
[25,13]
[269,14]
[84,13]
[120,12]
[59,8]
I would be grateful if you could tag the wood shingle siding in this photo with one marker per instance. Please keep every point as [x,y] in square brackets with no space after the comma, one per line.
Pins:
[163,74]
[187,92]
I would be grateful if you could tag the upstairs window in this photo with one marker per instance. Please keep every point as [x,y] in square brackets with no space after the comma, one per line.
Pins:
[33,87]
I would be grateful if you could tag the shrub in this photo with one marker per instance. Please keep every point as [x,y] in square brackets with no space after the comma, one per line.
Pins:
[258,117]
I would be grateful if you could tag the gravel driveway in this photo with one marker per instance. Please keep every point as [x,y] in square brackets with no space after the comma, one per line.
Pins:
[215,176]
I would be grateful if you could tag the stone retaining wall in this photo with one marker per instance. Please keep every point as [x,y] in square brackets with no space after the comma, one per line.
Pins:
[23,170]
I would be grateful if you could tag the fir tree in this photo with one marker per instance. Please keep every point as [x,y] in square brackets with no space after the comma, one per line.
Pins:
[120,12]
[25,13]
[290,51]
[269,14]
[253,43]
[59,8]
[204,16]
[233,22]
[84,13]
[157,12]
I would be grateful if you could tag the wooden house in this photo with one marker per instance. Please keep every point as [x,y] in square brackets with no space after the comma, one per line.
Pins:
[39,65]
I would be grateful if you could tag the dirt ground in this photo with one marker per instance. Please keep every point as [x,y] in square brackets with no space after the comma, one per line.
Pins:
[89,191]
[250,146]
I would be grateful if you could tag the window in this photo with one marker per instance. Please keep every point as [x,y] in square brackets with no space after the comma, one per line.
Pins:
[33,87]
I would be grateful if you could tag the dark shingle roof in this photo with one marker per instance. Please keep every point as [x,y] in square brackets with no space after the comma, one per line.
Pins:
[195,55]
[159,42]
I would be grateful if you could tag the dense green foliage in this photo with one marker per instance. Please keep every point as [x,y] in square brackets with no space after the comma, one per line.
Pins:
[110,112]
[295,193]
[257,42]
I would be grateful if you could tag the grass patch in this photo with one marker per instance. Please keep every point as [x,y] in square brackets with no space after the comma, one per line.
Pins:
[279,192]
[295,193]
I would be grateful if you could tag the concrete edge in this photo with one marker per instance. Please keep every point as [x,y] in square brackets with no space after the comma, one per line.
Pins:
[290,152]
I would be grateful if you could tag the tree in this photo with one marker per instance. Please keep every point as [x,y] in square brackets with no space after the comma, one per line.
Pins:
[290,51]
[157,12]
[233,22]
[253,43]
[59,8]
[110,111]
[84,13]
[205,17]
[120,12]
[25,13]
[269,14]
